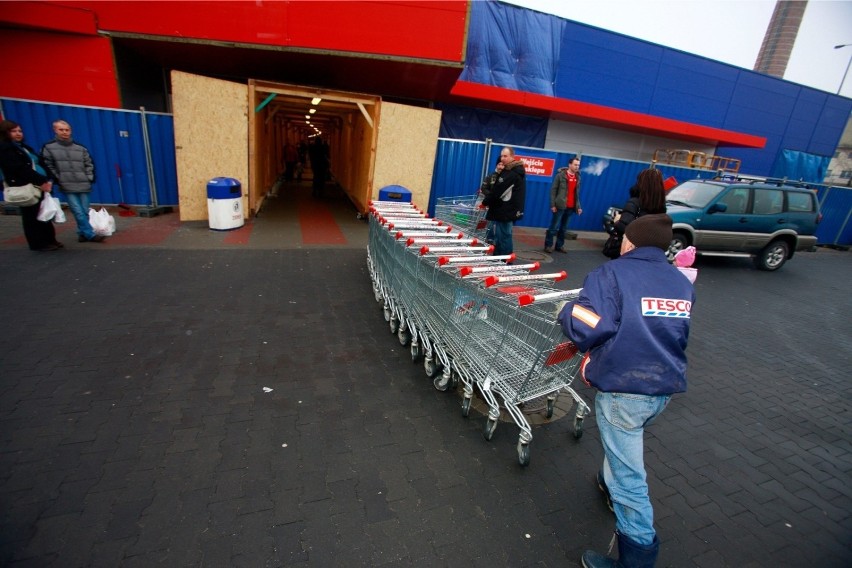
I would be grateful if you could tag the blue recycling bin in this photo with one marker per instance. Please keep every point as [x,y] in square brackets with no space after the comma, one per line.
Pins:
[395,193]
[225,204]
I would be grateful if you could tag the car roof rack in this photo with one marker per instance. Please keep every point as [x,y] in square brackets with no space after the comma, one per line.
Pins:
[779,182]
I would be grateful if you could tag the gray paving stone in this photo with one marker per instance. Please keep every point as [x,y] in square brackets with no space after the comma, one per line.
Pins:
[149,427]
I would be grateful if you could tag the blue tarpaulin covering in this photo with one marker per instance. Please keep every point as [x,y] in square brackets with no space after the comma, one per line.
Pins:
[795,165]
[466,123]
[512,48]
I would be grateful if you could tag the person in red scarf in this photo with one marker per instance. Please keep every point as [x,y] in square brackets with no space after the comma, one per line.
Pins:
[564,201]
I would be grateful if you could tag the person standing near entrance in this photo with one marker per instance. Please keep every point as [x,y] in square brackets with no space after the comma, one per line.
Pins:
[632,319]
[72,168]
[291,158]
[564,201]
[21,166]
[317,153]
[505,201]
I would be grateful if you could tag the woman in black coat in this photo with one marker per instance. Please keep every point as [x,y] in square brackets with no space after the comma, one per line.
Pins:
[647,197]
[21,165]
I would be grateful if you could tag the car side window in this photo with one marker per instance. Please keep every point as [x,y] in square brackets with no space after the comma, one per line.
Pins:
[736,200]
[768,201]
[800,202]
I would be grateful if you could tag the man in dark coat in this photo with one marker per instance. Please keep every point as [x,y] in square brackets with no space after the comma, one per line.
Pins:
[505,202]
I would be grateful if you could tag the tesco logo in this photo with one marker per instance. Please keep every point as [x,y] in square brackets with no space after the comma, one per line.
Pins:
[666,307]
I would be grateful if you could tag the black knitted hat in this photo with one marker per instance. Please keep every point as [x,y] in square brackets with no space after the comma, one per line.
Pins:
[650,231]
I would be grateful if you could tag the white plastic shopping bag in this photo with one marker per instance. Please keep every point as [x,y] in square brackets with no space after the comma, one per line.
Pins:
[102,222]
[60,214]
[47,209]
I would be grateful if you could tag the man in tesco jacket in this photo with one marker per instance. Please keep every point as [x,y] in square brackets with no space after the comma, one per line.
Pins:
[632,318]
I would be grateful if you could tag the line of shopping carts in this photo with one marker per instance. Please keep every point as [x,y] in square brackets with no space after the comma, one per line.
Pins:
[476,319]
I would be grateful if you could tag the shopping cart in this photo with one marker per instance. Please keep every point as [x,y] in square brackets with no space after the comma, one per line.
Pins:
[533,358]
[446,302]
[463,212]
[474,319]
[515,351]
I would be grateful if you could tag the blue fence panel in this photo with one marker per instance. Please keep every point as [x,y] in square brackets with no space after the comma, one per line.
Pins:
[606,183]
[458,169]
[116,143]
[836,207]
[161,136]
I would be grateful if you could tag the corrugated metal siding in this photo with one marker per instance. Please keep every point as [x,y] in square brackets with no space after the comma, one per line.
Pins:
[161,135]
[458,169]
[114,140]
[836,209]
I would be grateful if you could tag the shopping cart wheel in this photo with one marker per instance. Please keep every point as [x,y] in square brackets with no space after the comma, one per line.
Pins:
[416,352]
[403,336]
[466,405]
[488,430]
[387,312]
[454,380]
[431,367]
[550,403]
[578,427]
[393,324]
[523,454]
[441,383]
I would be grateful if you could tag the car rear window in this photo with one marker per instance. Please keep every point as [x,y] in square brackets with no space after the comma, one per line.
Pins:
[801,202]
[768,201]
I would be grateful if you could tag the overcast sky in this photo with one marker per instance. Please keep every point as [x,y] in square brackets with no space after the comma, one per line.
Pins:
[730,31]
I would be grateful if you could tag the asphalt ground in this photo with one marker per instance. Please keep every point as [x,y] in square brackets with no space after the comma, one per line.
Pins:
[184,397]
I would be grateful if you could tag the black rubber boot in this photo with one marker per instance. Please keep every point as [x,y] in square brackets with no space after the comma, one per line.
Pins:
[631,554]
[592,559]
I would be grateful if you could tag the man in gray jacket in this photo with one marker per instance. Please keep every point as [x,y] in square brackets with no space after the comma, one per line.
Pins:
[564,201]
[71,167]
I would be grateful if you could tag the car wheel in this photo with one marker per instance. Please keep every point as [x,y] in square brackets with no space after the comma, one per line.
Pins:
[773,256]
[679,242]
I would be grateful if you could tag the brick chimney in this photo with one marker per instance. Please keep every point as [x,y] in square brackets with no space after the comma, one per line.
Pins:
[780,37]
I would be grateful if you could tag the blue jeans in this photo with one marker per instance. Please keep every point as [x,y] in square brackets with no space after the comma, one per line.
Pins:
[79,205]
[557,228]
[503,237]
[621,419]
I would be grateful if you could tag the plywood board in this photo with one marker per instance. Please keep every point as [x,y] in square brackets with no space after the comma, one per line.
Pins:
[405,150]
[211,138]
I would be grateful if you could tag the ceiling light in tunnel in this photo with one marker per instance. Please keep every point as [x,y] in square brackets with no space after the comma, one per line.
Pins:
[312,111]
[315,101]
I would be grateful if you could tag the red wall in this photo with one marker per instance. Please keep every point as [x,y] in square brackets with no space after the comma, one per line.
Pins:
[57,67]
[404,28]
[52,50]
